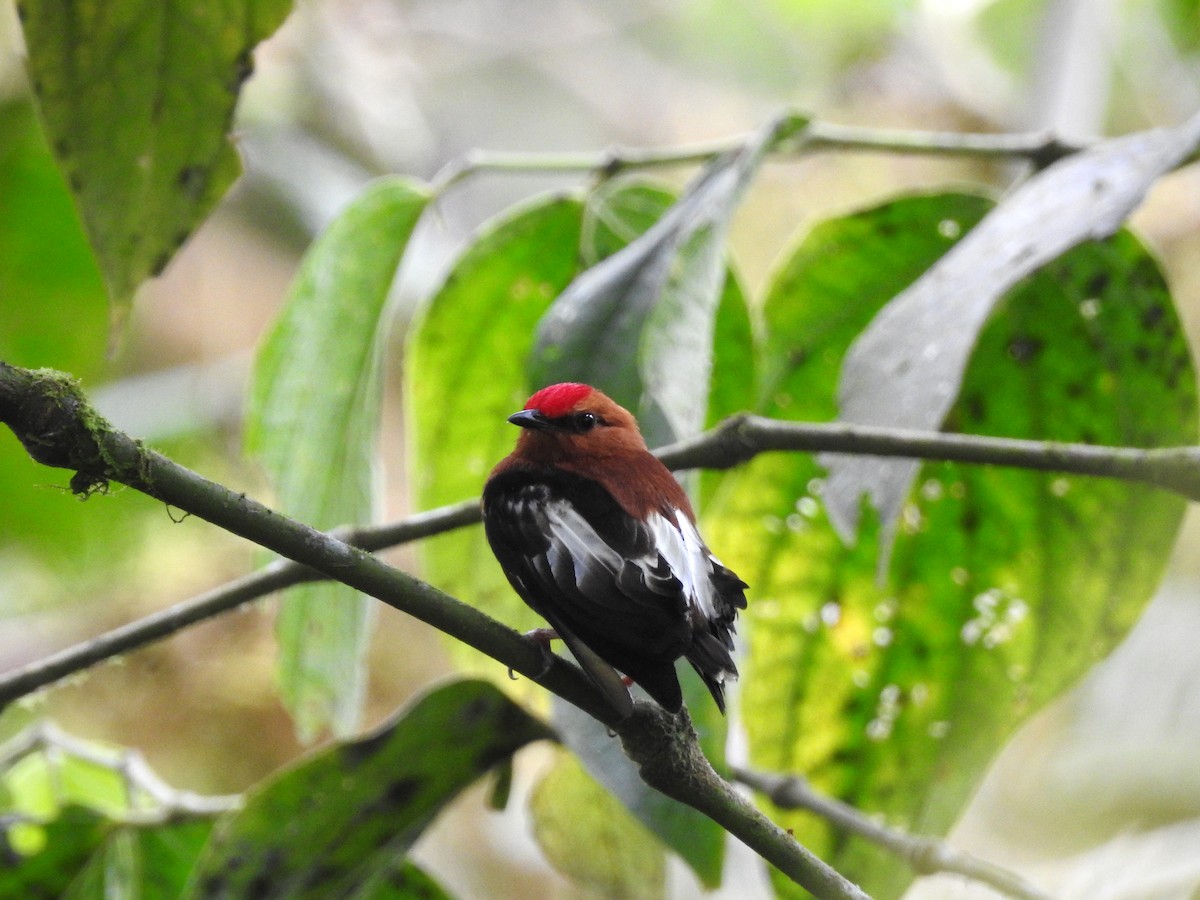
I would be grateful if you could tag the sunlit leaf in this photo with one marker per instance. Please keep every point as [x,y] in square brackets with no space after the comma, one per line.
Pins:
[54,314]
[313,418]
[1004,585]
[336,823]
[137,100]
[465,375]
[40,783]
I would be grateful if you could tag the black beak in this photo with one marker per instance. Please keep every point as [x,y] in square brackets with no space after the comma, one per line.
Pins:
[531,419]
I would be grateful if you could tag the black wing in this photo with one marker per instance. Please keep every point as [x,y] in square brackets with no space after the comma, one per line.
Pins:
[586,567]
[636,594]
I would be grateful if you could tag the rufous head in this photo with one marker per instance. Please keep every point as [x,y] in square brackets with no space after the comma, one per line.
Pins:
[572,418]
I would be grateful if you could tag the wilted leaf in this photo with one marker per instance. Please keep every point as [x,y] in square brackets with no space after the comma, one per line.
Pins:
[906,368]
[313,418]
[335,824]
[1005,585]
[137,100]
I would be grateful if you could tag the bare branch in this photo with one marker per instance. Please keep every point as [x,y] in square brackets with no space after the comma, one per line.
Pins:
[741,438]
[926,855]
[1040,148]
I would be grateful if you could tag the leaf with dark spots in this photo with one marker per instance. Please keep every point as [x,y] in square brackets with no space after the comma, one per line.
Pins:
[335,824]
[401,881]
[131,94]
[1098,283]
[1023,348]
[355,753]
[907,366]
[1004,586]
[1152,316]
[400,793]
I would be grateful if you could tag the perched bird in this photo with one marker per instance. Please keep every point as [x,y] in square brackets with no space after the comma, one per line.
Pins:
[598,538]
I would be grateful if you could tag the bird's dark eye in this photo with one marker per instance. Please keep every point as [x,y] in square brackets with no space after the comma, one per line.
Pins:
[585,421]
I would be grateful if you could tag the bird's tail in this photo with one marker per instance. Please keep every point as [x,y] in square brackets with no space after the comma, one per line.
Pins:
[710,658]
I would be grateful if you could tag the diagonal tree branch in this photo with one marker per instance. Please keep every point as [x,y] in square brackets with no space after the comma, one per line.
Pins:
[731,443]
[927,856]
[51,418]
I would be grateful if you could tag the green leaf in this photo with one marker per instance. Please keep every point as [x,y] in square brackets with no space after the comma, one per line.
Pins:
[1004,585]
[1182,18]
[66,844]
[465,374]
[639,325]
[151,861]
[400,879]
[912,383]
[54,315]
[335,823]
[313,419]
[137,100]
[697,839]
[590,838]
[169,852]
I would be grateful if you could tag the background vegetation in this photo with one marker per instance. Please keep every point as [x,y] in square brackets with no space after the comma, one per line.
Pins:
[1006,606]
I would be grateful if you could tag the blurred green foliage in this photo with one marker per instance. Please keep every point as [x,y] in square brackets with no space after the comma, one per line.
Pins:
[891,686]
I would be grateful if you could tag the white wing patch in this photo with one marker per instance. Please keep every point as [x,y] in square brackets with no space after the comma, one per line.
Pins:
[680,545]
[573,535]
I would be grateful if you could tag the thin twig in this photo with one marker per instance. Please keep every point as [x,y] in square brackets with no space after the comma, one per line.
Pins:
[1040,148]
[927,856]
[275,577]
[740,438]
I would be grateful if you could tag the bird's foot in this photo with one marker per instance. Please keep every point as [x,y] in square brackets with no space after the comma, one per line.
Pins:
[542,637]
